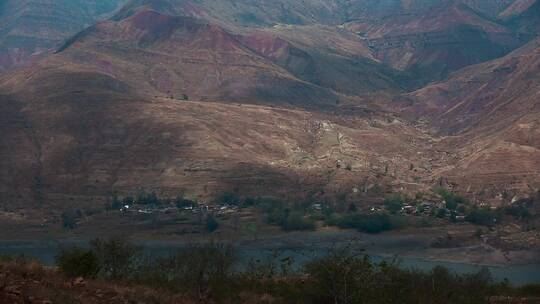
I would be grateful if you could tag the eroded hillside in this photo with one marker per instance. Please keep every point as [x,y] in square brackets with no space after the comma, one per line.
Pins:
[208,96]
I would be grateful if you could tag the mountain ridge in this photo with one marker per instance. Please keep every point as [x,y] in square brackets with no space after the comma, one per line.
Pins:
[175,97]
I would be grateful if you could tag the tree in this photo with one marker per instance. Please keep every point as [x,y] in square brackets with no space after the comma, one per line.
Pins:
[182,202]
[199,269]
[483,216]
[228,198]
[211,223]
[394,203]
[77,262]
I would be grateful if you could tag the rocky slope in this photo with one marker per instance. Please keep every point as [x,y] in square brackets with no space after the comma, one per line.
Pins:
[490,113]
[185,96]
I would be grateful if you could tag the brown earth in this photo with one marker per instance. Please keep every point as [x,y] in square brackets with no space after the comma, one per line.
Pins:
[293,109]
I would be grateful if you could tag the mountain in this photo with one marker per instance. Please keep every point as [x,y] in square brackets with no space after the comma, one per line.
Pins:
[156,54]
[31,27]
[490,115]
[432,43]
[286,98]
[150,101]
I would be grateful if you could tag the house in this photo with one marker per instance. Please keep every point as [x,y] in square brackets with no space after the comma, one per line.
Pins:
[408,209]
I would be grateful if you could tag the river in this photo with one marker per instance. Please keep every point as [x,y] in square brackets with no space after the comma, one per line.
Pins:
[516,274]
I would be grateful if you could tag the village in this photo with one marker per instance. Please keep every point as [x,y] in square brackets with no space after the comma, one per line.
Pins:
[443,206]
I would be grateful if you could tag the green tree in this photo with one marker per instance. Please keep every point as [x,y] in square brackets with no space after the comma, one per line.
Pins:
[394,203]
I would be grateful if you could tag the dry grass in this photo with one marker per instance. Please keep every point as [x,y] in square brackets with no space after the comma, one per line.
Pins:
[23,281]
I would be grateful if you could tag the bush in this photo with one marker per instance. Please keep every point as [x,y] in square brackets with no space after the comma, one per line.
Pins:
[77,262]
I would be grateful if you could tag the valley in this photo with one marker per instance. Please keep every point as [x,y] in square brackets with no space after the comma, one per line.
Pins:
[411,126]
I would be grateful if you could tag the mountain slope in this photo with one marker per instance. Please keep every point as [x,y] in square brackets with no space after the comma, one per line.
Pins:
[30,27]
[178,96]
[107,112]
[491,112]
[437,41]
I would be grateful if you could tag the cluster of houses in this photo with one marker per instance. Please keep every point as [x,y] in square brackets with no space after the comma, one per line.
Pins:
[425,209]
[199,208]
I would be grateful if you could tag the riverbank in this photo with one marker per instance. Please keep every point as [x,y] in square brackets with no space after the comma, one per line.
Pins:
[412,247]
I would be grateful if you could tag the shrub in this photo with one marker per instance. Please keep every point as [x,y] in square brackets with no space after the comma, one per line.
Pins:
[296,221]
[77,262]
[483,216]
[197,269]
[117,257]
